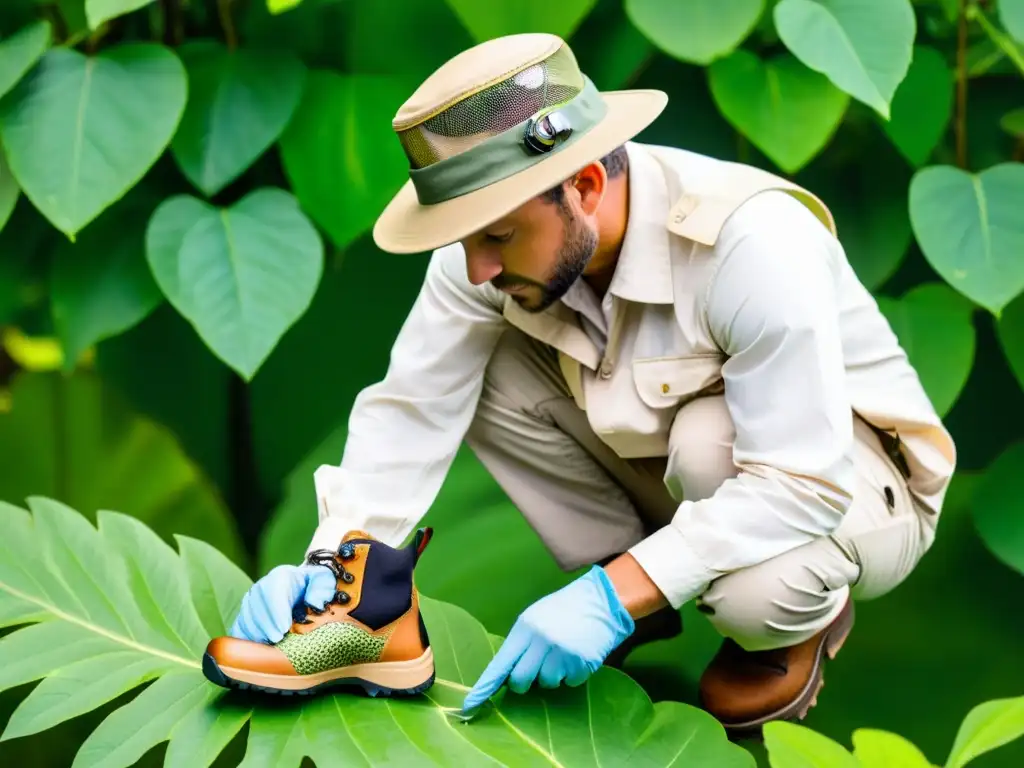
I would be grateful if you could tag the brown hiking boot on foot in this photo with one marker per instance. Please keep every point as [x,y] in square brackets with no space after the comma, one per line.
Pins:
[369,635]
[744,690]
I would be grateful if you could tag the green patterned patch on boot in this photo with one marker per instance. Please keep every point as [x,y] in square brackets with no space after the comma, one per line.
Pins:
[331,646]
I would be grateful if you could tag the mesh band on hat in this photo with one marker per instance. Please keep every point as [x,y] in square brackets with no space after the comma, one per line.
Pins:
[500,128]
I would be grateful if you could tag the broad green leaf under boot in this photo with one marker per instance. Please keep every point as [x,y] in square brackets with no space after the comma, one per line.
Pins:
[106,609]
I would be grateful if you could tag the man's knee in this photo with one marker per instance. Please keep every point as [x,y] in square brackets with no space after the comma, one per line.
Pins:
[781,602]
[700,449]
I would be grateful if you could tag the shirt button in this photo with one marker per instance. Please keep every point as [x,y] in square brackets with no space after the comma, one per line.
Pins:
[606,370]
[664,388]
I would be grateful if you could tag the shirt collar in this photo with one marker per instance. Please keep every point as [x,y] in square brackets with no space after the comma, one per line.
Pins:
[643,273]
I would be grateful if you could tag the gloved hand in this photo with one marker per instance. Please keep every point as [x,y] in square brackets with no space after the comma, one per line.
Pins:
[564,636]
[266,612]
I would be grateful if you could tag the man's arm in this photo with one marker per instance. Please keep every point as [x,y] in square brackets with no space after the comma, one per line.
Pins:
[772,308]
[404,431]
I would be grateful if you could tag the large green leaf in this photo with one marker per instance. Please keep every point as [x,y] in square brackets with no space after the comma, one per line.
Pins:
[863,46]
[970,229]
[80,131]
[125,608]
[342,158]
[997,506]
[488,20]
[922,106]
[987,727]
[242,275]
[933,325]
[99,11]
[1010,330]
[100,284]
[20,51]
[788,111]
[698,31]
[1013,123]
[71,436]
[796,746]
[239,103]
[9,190]
[1011,15]
[880,749]
[609,48]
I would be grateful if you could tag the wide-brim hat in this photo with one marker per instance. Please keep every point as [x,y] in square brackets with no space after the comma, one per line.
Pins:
[493,127]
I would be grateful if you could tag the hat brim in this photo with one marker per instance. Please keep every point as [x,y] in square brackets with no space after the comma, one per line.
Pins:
[406,226]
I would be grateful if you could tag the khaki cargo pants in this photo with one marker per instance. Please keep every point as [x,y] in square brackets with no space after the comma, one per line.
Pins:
[586,503]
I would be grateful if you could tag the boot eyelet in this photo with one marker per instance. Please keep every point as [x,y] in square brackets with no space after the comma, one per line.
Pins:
[347,577]
[344,598]
[347,551]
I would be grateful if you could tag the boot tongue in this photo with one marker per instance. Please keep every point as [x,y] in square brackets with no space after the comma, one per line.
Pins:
[357,535]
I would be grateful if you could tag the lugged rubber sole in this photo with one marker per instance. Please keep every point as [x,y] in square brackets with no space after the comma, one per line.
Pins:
[382,679]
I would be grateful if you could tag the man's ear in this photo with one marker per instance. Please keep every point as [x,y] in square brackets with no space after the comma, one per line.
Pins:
[590,184]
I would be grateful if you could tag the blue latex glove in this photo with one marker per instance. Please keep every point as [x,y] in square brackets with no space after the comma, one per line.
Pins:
[565,636]
[266,612]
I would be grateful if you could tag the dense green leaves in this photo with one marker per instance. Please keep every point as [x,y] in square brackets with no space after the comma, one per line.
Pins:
[880,749]
[100,284]
[863,46]
[242,275]
[9,190]
[698,31]
[1013,123]
[131,609]
[80,131]
[765,99]
[1011,14]
[970,229]
[796,746]
[99,11]
[239,103]
[487,20]
[72,436]
[922,106]
[20,51]
[1011,336]
[997,506]
[341,156]
[986,727]
[933,324]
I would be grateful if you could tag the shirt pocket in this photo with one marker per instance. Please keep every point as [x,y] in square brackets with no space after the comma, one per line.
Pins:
[664,382]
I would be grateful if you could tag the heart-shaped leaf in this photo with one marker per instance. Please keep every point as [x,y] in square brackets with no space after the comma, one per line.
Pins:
[863,47]
[765,100]
[80,131]
[239,103]
[933,325]
[922,106]
[997,506]
[9,190]
[971,230]
[987,726]
[488,20]
[698,31]
[881,749]
[100,284]
[792,745]
[1011,16]
[340,154]
[242,275]
[20,51]
[1013,123]
[99,11]
[280,6]
[1010,330]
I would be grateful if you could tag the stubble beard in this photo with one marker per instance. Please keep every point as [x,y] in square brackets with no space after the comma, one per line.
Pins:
[573,257]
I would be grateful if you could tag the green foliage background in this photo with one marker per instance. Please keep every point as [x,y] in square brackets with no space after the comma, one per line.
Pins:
[190,299]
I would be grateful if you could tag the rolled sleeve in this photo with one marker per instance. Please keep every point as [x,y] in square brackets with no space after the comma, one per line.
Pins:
[772,309]
[404,432]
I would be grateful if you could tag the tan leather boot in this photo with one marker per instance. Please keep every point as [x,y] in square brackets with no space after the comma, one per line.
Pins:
[744,690]
[370,634]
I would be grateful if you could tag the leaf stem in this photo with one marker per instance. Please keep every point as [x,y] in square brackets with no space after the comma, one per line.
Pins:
[961,86]
[1002,41]
[227,23]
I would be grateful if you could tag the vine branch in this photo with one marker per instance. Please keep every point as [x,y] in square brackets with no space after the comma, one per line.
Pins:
[1002,41]
[961,86]
[227,24]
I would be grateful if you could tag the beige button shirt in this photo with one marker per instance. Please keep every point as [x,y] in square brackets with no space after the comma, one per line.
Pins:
[729,279]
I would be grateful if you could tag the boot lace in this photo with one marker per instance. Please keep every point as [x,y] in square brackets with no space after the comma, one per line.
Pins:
[334,561]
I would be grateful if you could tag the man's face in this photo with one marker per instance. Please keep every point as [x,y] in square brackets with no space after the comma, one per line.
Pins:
[534,254]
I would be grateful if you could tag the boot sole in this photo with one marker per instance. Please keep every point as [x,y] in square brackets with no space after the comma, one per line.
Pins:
[381,679]
[830,645]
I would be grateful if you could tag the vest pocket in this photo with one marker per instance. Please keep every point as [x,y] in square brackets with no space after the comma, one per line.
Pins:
[665,381]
